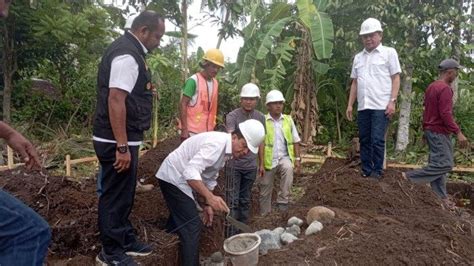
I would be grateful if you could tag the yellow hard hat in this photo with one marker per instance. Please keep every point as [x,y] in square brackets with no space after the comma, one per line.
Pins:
[214,56]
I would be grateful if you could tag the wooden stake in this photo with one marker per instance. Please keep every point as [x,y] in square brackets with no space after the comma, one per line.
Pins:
[329,154]
[68,165]
[9,157]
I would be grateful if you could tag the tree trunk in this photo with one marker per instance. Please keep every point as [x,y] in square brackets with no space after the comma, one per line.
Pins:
[304,105]
[226,20]
[184,40]
[403,132]
[9,65]
[456,50]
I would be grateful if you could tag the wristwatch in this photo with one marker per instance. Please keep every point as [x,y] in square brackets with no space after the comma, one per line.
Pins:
[122,148]
[298,159]
[393,100]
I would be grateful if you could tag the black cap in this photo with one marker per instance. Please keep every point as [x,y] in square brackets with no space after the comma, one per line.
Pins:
[448,64]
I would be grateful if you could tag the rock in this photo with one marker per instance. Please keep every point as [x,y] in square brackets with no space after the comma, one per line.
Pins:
[279,230]
[270,240]
[295,220]
[217,257]
[313,228]
[294,230]
[287,238]
[321,214]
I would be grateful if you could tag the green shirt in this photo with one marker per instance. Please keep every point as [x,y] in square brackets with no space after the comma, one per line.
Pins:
[190,91]
[189,88]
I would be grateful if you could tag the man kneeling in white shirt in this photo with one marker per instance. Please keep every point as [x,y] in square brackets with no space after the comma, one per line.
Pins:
[194,166]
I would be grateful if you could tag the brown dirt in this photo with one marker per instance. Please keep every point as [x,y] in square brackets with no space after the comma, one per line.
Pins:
[386,222]
[377,222]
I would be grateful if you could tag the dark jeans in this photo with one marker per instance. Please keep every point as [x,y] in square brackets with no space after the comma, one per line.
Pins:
[240,196]
[184,219]
[372,127]
[116,199]
[24,235]
[440,163]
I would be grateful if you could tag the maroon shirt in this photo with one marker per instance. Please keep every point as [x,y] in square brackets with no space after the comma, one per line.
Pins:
[438,113]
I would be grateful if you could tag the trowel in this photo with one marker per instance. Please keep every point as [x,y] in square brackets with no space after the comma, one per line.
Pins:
[239,225]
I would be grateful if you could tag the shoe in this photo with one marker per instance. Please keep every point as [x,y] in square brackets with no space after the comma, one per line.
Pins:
[283,207]
[120,260]
[138,249]
[377,176]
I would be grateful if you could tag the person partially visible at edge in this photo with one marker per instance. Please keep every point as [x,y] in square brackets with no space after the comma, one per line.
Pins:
[245,168]
[123,113]
[24,235]
[438,125]
[375,82]
[198,105]
[194,167]
[281,155]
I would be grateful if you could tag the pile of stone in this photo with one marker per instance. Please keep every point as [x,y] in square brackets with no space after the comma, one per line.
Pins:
[274,239]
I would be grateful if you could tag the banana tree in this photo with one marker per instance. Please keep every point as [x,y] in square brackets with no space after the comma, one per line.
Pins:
[284,45]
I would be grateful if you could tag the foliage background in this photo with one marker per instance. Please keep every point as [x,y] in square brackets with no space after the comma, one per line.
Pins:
[62,42]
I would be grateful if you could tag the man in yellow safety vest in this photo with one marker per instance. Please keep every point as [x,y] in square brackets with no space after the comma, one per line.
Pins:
[281,154]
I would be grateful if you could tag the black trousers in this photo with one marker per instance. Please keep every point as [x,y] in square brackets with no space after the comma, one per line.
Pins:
[185,220]
[116,199]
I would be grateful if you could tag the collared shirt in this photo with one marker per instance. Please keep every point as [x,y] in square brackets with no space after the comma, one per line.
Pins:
[280,149]
[190,89]
[438,113]
[200,157]
[233,119]
[124,71]
[123,75]
[373,72]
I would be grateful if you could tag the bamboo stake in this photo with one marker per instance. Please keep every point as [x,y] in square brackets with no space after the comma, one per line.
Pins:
[68,165]
[10,162]
[329,153]
[155,119]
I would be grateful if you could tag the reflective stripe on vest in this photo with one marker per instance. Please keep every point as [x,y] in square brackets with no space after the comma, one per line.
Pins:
[202,116]
[270,139]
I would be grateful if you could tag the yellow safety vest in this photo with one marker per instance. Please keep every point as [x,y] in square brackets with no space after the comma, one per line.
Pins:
[270,139]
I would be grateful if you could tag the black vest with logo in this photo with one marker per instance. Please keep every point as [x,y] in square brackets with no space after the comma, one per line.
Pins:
[138,103]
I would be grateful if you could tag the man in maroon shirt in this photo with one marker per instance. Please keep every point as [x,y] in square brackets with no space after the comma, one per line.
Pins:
[439,124]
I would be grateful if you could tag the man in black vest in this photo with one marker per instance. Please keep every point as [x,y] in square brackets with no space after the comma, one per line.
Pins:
[123,113]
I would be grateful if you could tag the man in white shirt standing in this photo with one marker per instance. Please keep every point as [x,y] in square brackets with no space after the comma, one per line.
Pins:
[123,113]
[375,81]
[194,166]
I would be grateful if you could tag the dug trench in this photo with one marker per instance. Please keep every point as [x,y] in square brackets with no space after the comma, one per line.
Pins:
[377,222]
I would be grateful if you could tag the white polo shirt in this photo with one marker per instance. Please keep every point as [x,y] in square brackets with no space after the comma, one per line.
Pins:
[280,149]
[373,71]
[123,76]
[200,157]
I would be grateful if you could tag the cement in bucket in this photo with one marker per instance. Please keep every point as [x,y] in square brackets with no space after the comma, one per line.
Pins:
[243,249]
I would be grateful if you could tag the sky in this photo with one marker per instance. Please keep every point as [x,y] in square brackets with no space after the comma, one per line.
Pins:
[206,33]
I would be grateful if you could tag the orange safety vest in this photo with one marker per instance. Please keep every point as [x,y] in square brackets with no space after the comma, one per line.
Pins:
[202,115]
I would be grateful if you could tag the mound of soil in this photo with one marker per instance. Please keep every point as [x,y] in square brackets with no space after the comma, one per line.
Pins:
[70,207]
[377,222]
[390,221]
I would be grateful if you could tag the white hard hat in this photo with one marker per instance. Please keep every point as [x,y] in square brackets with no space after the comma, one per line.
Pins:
[250,90]
[253,132]
[274,96]
[370,25]
[129,22]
